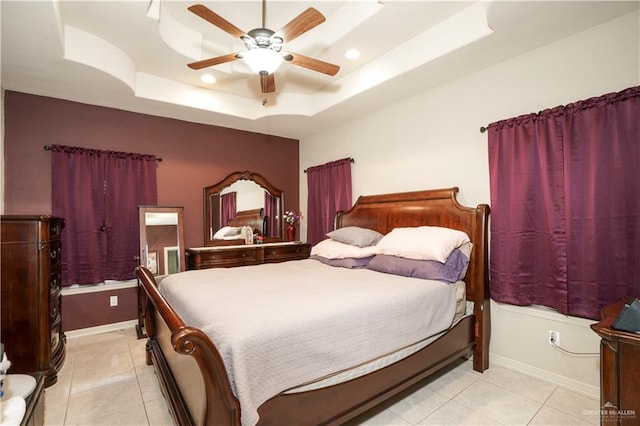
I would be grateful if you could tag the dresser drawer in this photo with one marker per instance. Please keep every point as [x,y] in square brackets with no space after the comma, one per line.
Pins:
[228,258]
[282,253]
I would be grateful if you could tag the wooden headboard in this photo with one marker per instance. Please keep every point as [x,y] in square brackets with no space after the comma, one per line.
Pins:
[435,208]
[253,218]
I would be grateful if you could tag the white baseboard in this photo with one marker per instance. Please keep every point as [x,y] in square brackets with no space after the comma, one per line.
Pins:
[529,370]
[101,329]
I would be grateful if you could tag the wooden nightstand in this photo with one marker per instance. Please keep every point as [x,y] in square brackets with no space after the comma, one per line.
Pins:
[243,255]
[619,370]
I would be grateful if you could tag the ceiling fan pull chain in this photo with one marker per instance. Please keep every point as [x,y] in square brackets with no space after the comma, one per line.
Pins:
[264,11]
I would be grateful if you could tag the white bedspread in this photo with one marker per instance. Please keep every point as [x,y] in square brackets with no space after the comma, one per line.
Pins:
[281,325]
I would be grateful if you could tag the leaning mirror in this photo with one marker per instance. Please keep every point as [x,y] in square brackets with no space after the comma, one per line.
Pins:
[161,247]
[242,199]
[161,239]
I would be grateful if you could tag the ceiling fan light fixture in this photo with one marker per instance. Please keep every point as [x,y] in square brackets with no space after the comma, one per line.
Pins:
[208,78]
[352,54]
[262,60]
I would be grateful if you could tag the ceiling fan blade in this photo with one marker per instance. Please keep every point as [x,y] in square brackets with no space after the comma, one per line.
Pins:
[213,61]
[302,23]
[312,64]
[267,83]
[217,20]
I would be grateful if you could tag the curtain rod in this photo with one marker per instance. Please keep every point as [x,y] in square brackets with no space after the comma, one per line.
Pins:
[350,159]
[48,148]
[483,129]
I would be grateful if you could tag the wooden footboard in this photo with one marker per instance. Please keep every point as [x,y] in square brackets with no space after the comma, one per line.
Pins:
[192,373]
[189,367]
[336,404]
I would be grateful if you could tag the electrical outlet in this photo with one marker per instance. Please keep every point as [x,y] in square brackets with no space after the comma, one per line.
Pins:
[113,301]
[554,338]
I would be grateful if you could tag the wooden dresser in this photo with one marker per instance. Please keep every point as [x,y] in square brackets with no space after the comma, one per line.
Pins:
[243,255]
[619,370]
[31,294]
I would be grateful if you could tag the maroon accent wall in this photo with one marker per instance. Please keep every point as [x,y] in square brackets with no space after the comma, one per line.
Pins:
[93,309]
[193,156]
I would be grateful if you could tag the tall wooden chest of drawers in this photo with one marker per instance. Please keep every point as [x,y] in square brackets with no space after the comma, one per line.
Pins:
[30,282]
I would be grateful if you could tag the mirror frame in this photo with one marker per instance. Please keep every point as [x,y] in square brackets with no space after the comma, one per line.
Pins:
[228,180]
[142,211]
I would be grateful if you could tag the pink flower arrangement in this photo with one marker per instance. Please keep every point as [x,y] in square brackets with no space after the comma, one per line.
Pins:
[292,218]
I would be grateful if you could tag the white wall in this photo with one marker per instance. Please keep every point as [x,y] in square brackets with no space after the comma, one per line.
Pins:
[249,195]
[432,140]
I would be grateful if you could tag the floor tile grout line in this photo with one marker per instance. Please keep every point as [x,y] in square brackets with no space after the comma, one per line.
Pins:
[460,372]
[544,404]
[88,348]
[144,403]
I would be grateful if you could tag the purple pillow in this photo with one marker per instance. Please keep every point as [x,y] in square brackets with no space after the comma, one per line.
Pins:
[454,269]
[349,262]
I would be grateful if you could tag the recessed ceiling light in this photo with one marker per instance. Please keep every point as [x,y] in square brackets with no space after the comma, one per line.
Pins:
[208,78]
[352,54]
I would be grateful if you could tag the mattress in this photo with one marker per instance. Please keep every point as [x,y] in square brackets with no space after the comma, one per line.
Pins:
[278,326]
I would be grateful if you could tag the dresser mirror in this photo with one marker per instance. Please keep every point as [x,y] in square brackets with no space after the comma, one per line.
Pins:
[242,199]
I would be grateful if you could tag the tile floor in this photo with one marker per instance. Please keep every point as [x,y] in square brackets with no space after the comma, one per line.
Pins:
[105,381]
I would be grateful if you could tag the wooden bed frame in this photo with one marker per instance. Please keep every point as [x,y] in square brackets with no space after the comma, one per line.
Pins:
[193,377]
[255,219]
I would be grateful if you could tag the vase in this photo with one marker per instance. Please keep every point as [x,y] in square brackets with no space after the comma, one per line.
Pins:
[291,232]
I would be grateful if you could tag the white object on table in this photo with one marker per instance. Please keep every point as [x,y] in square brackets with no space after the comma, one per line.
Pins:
[12,410]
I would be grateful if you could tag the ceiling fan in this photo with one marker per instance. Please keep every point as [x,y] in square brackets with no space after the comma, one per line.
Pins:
[263,54]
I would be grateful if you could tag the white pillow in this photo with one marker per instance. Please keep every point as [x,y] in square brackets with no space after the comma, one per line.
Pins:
[332,249]
[422,243]
[226,231]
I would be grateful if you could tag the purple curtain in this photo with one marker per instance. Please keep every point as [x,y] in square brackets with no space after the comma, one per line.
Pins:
[98,192]
[272,214]
[329,191]
[130,182]
[565,224]
[77,194]
[227,207]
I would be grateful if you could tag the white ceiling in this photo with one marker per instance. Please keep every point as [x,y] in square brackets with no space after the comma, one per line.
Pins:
[132,55]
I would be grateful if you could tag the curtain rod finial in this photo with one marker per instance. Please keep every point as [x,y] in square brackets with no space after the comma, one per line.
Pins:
[483,129]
